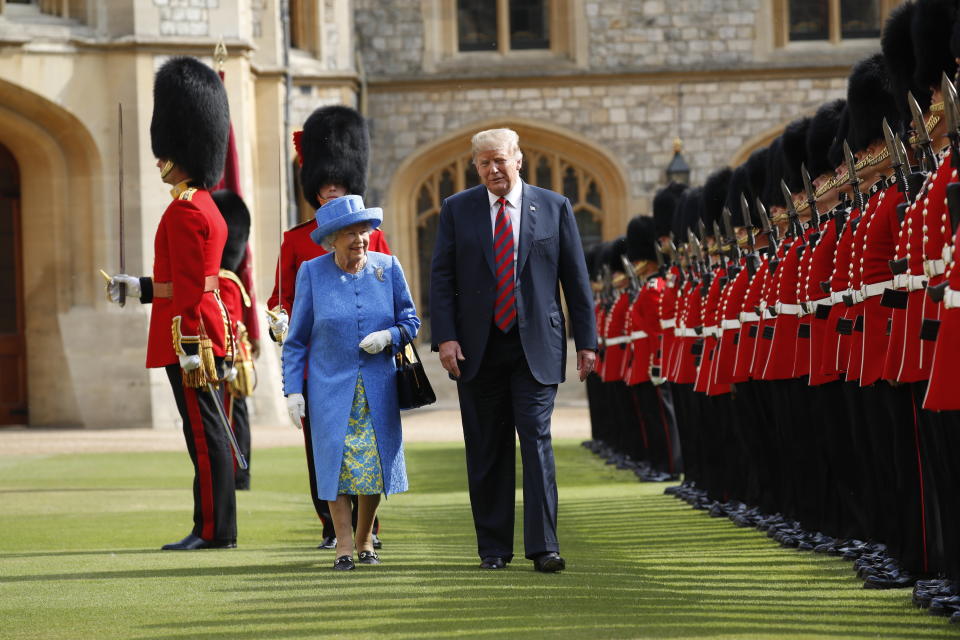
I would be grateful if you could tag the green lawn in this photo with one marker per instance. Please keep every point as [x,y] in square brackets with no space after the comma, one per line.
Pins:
[80,538]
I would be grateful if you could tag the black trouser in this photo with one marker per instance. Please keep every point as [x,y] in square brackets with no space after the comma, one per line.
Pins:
[845,514]
[236,407]
[599,411]
[658,426]
[502,399]
[321,506]
[214,499]
[688,416]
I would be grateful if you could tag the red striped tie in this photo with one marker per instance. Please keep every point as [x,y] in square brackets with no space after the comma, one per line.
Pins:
[505,307]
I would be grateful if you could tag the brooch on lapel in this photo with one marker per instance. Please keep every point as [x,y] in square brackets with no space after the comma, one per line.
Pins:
[379,273]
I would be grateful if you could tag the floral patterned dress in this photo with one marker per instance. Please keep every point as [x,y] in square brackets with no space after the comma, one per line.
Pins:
[360,472]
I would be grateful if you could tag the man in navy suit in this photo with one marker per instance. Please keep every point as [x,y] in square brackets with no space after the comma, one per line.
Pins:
[503,250]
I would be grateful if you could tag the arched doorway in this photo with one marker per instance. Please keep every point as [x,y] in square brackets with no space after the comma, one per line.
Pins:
[554,159]
[13,352]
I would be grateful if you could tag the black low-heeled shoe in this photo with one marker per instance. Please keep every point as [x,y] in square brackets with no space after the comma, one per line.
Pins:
[344,563]
[368,557]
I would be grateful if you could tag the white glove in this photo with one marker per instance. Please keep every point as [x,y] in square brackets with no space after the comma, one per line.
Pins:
[230,374]
[279,323]
[113,288]
[376,341]
[189,363]
[297,409]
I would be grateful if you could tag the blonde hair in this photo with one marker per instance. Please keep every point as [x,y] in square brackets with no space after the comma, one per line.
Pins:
[490,139]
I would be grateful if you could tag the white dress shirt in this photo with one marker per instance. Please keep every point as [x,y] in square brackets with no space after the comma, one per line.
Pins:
[513,210]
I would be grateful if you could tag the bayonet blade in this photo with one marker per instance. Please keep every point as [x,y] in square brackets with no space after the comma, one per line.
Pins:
[764,218]
[891,145]
[919,124]
[728,223]
[851,165]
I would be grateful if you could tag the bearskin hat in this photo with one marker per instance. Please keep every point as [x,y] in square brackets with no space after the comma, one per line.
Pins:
[820,135]
[955,39]
[869,100]
[593,257]
[835,152]
[794,151]
[237,216]
[641,239]
[772,193]
[714,196]
[687,214]
[611,257]
[739,184]
[757,166]
[664,205]
[896,42]
[931,28]
[191,119]
[334,148]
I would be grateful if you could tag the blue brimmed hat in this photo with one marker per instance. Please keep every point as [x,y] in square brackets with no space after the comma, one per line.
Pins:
[342,212]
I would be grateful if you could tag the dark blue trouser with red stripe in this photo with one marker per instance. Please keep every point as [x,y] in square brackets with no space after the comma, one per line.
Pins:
[214,498]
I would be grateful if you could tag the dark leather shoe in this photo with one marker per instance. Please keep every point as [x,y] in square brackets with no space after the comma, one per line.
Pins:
[549,562]
[330,542]
[192,542]
[368,557]
[376,541]
[493,562]
[344,563]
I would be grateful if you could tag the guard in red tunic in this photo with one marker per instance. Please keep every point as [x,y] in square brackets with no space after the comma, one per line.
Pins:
[333,149]
[188,322]
[240,377]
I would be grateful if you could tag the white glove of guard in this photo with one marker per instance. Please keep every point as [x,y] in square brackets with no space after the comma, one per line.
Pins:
[189,363]
[376,341]
[279,323]
[230,374]
[113,288]
[297,409]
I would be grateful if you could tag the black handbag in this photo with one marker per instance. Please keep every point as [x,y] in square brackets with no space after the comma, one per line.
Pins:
[413,388]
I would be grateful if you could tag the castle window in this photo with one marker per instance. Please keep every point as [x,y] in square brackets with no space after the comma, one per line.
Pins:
[503,25]
[830,20]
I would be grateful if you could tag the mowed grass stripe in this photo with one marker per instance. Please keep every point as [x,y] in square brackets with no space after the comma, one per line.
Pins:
[80,537]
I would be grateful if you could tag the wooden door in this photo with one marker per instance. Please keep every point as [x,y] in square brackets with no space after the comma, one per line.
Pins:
[13,347]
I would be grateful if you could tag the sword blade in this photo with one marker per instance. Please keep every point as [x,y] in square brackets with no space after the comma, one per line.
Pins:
[241,460]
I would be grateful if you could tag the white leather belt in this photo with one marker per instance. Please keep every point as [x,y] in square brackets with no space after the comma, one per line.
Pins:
[636,335]
[687,333]
[875,289]
[951,298]
[900,281]
[813,304]
[749,316]
[837,296]
[711,331]
[789,309]
[933,268]
[668,324]
[947,254]
[915,283]
[767,315]
[617,340]
[730,324]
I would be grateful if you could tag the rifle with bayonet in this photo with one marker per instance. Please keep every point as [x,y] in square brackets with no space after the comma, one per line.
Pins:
[794,227]
[859,202]
[752,259]
[635,284]
[811,197]
[928,162]
[896,162]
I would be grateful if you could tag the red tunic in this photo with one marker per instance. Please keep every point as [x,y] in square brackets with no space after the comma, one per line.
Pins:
[711,330]
[298,247]
[187,248]
[615,339]
[821,266]
[645,331]
[749,320]
[688,319]
[784,300]
[731,302]
[669,300]
[881,230]
[761,348]
[909,248]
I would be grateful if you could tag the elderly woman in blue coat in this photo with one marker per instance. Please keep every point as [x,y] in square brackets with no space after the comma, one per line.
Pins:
[349,307]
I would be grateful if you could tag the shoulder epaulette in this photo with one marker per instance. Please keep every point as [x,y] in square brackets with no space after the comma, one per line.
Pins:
[187,194]
[232,277]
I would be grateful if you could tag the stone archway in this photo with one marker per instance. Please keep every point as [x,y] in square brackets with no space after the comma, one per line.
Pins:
[60,176]
[554,158]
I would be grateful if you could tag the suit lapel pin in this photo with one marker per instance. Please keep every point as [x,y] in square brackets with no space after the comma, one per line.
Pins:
[379,273]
